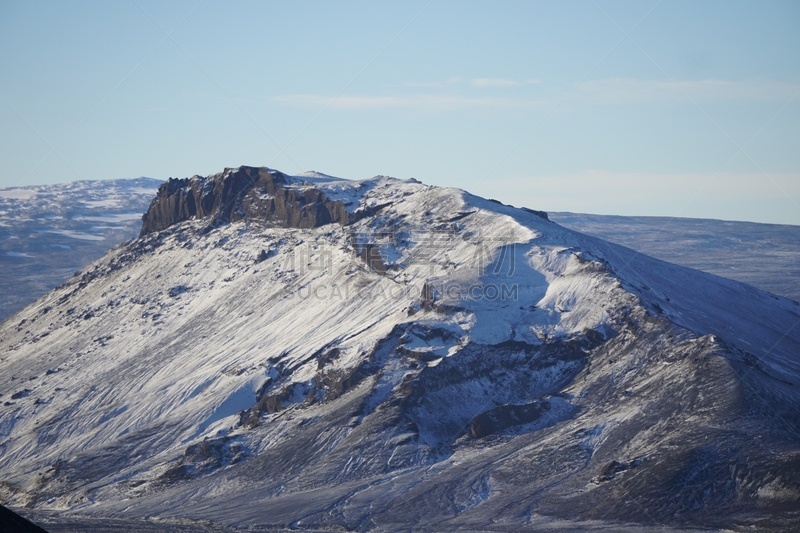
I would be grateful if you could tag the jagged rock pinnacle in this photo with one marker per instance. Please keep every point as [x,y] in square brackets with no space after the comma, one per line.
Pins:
[245,193]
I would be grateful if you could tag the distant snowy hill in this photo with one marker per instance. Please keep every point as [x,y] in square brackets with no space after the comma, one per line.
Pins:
[282,352]
[764,255]
[48,232]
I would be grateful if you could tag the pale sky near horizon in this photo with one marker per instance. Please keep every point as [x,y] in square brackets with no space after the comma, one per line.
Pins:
[673,108]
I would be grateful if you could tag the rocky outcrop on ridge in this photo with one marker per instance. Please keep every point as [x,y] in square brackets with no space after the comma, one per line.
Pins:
[245,193]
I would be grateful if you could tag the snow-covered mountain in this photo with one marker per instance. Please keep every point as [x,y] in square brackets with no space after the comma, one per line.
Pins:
[307,352]
[47,232]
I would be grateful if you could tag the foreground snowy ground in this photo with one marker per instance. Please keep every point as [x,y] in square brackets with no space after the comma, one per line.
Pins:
[436,361]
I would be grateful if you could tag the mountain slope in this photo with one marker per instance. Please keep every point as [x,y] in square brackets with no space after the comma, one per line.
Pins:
[319,353]
[764,255]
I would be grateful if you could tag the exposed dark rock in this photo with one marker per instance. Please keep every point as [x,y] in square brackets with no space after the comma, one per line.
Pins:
[371,255]
[246,193]
[269,400]
[367,247]
[203,458]
[541,214]
[613,468]
[263,256]
[176,291]
[326,356]
[505,374]
[428,297]
[504,417]
[273,403]
[335,383]
[21,394]
[102,341]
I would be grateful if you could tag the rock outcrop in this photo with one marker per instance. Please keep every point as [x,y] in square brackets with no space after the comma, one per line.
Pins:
[504,417]
[258,194]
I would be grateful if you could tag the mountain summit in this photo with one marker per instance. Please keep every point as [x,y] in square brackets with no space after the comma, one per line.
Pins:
[308,352]
[245,193]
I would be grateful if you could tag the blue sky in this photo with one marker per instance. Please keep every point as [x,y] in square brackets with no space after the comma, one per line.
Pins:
[680,108]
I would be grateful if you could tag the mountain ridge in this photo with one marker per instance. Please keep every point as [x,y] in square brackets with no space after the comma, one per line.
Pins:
[764,255]
[444,362]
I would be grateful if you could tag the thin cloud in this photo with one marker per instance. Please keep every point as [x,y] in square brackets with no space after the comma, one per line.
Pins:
[480,83]
[421,85]
[627,90]
[418,101]
[501,83]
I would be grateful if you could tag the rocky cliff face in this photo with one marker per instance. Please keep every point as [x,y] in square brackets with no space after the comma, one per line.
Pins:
[245,193]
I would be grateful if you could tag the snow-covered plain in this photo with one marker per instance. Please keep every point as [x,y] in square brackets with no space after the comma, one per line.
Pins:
[764,255]
[47,232]
[446,363]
